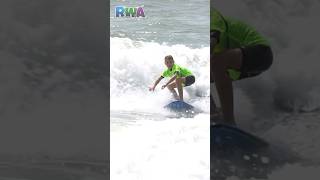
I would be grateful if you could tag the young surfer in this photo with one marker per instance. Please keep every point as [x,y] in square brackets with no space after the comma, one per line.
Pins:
[179,77]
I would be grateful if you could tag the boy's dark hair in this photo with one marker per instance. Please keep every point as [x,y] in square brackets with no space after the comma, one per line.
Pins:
[168,57]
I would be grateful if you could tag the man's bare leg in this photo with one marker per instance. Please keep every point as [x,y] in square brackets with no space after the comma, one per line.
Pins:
[220,63]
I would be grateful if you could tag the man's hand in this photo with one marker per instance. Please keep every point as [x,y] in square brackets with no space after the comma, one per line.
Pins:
[164,86]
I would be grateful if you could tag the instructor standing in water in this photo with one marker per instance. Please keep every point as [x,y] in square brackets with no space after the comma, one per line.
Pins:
[180,77]
[237,51]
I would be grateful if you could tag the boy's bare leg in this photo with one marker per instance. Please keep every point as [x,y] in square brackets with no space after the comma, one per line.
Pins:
[179,82]
[173,91]
[220,63]
[215,112]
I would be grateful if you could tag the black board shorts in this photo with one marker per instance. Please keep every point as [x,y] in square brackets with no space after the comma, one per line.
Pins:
[189,80]
[255,60]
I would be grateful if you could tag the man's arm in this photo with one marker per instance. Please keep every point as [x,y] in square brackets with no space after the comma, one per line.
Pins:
[156,83]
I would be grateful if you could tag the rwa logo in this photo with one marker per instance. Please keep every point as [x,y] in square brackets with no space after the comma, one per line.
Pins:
[122,11]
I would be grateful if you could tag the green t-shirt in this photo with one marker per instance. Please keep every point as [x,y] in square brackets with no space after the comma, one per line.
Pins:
[176,70]
[234,33]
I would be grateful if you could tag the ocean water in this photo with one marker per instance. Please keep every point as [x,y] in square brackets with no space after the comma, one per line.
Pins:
[146,141]
[170,21]
[282,105]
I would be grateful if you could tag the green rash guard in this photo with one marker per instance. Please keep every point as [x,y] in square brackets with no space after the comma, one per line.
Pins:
[234,33]
[176,70]
[231,34]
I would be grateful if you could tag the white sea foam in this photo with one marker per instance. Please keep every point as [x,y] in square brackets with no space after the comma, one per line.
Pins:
[145,144]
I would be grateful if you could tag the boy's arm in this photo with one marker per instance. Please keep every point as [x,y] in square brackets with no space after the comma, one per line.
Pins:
[172,79]
[214,42]
[156,83]
[214,39]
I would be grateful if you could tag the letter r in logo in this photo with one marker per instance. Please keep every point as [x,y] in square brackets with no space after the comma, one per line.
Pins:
[119,11]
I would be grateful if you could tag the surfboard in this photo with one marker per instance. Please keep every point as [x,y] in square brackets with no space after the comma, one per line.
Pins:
[227,137]
[242,154]
[179,106]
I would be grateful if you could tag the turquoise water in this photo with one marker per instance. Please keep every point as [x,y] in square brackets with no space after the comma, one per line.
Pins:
[168,21]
